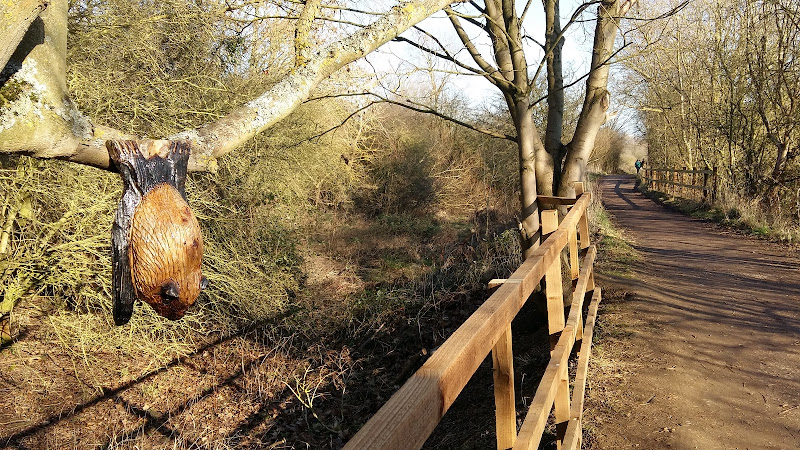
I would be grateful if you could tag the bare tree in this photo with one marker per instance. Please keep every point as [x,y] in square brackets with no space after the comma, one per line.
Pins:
[547,165]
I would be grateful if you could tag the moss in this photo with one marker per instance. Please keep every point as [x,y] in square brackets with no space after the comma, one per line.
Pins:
[11,92]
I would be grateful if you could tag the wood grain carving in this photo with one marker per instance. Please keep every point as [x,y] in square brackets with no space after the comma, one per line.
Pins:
[157,247]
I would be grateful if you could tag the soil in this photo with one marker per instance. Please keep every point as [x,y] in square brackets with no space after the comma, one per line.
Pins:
[705,350]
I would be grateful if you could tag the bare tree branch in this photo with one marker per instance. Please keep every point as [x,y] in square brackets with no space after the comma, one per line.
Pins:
[492,74]
[445,56]
[413,106]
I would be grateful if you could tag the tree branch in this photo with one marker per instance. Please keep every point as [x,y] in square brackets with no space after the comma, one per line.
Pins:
[491,73]
[302,32]
[58,138]
[446,56]
[413,106]
[18,17]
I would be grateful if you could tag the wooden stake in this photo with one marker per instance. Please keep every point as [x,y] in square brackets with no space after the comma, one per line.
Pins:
[553,288]
[574,435]
[583,222]
[505,412]
[562,406]
[573,240]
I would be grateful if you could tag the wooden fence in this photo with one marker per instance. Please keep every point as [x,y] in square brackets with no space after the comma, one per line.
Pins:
[411,414]
[693,184]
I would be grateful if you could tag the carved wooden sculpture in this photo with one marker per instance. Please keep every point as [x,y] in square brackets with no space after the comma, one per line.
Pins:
[156,243]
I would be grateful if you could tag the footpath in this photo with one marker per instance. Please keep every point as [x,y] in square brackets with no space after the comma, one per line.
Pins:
[713,361]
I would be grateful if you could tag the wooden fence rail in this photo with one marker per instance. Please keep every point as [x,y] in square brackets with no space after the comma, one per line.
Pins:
[693,184]
[408,418]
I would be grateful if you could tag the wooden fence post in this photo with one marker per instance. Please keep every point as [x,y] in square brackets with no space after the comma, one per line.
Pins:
[714,191]
[556,322]
[683,189]
[668,179]
[705,185]
[583,223]
[675,188]
[553,287]
[505,411]
[674,183]
[573,240]
[657,178]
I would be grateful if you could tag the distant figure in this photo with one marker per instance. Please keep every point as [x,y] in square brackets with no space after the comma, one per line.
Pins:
[639,163]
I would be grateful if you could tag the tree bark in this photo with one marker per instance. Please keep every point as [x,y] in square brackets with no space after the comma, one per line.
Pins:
[17,18]
[554,43]
[527,138]
[38,118]
[597,99]
[48,125]
[302,33]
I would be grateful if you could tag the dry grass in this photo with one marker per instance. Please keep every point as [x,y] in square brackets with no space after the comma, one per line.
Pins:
[310,313]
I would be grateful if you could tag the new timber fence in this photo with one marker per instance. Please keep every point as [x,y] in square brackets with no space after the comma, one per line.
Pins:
[411,414]
[692,184]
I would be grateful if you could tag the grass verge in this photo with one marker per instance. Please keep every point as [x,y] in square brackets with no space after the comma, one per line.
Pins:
[746,216]
[610,364]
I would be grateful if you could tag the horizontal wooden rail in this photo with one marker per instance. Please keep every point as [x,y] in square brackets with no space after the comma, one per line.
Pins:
[532,428]
[704,171]
[689,186]
[411,414]
[573,436]
[546,199]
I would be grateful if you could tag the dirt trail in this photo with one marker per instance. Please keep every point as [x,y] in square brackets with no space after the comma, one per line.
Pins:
[715,353]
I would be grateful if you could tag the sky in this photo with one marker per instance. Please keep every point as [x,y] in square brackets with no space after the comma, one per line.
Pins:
[475,90]
[576,56]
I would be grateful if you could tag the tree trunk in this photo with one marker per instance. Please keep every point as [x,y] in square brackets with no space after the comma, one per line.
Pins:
[554,44]
[596,102]
[780,160]
[38,118]
[527,135]
[17,18]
